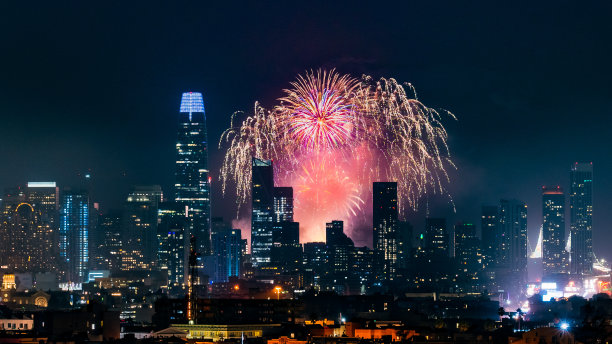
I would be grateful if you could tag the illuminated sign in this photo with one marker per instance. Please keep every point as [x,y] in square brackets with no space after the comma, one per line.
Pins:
[549,286]
[41,184]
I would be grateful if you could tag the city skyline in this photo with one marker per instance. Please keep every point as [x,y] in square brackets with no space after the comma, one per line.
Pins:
[113,118]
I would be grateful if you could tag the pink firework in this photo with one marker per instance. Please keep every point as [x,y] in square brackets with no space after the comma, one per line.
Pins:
[318,111]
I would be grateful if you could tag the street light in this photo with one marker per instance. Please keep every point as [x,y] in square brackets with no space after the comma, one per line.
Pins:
[278,290]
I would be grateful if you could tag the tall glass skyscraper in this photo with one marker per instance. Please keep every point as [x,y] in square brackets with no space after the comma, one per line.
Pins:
[74,235]
[192,180]
[139,237]
[511,264]
[262,217]
[553,230]
[581,217]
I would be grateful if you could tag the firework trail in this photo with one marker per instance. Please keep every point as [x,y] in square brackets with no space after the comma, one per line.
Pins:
[331,136]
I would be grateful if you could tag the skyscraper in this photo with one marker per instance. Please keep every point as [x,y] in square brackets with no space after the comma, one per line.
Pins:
[173,251]
[512,259]
[581,218]
[74,234]
[28,236]
[385,217]
[139,237]
[468,256]
[192,180]
[490,240]
[553,230]
[109,248]
[262,216]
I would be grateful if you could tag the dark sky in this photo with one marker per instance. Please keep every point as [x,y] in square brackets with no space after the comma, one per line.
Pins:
[95,85]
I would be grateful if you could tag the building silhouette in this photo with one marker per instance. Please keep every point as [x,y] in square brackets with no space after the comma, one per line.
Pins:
[553,230]
[262,216]
[385,218]
[581,218]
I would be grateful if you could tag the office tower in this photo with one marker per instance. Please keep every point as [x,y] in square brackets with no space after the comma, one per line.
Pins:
[385,217]
[339,247]
[404,244]
[489,230]
[553,230]
[283,204]
[192,180]
[436,239]
[173,241]
[512,259]
[262,215]
[74,234]
[139,237]
[286,251]
[581,218]
[108,255]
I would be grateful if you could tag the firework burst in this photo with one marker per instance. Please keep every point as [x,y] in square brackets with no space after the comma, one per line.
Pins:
[339,131]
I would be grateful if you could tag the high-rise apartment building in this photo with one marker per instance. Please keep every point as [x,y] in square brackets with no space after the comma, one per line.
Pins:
[385,218]
[192,184]
[581,218]
[553,230]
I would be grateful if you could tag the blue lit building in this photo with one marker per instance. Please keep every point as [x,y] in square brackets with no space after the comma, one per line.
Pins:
[192,178]
[74,234]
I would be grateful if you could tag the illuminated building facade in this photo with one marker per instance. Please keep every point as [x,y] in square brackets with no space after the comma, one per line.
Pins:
[262,216]
[489,223]
[468,256]
[173,244]
[108,253]
[581,218]
[553,230]
[192,184]
[227,255]
[286,252]
[512,259]
[385,217]
[436,239]
[283,204]
[314,261]
[74,234]
[139,238]
[339,247]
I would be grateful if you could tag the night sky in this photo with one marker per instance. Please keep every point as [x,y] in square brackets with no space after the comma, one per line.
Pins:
[96,86]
